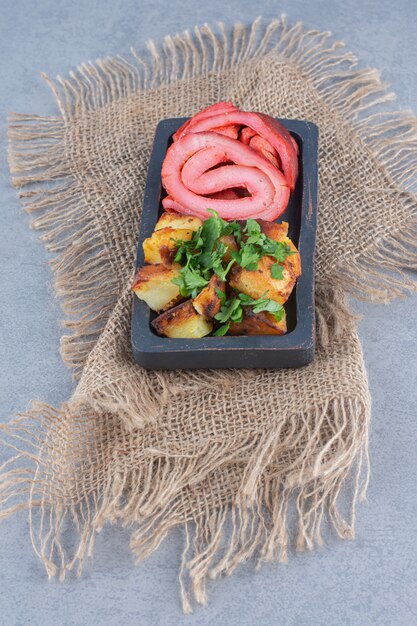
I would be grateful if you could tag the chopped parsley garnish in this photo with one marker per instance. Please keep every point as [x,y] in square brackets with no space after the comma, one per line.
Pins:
[277,271]
[263,304]
[190,282]
[232,309]
[204,255]
[257,245]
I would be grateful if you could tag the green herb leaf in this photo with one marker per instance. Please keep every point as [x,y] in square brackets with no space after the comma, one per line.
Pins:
[237,315]
[221,294]
[247,256]
[221,271]
[245,299]
[263,304]
[184,249]
[252,227]
[190,282]
[222,330]
[256,238]
[227,310]
[277,271]
[206,273]
[194,280]
[270,306]
[211,230]
[205,259]
[269,246]
[282,250]
[218,253]
[233,228]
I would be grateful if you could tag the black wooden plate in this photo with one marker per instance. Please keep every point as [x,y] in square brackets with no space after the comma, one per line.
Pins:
[296,347]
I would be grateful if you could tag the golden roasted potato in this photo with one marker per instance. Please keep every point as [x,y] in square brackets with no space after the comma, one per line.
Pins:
[231,245]
[161,246]
[279,232]
[271,229]
[182,322]
[274,231]
[294,260]
[153,284]
[258,283]
[175,220]
[208,303]
[195,318]
[258,324]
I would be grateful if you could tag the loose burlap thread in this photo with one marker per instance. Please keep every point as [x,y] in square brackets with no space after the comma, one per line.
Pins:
[249,462]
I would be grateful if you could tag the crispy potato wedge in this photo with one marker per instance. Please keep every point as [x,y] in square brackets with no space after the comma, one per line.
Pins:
[274,231]
[231,245]
[175,220]
[182,322]
[208,303]
[195,318]
[258,324]
[293,261]
[257,283]
[279,232]
[161,246]
[153,284]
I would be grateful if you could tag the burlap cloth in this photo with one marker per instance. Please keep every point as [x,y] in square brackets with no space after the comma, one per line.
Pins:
[249,462]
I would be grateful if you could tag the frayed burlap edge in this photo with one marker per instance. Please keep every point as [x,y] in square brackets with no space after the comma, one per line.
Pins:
[37,160]
[159,498]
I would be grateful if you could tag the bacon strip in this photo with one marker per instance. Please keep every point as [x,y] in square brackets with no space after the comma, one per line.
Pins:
[224,194]
[246,135]
[264,147]
[238,163]
[232,130]
[188,176]
[214,109]
[267,127]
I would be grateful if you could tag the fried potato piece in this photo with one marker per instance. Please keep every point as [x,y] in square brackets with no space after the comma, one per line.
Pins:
[161,246]
[258,324]
[258,283]
[271,229]
[182,322]
[175,220]
[255,283]
[279,232]
[274,231]
[153,284]
[231,245]
[208,303]
[294,260]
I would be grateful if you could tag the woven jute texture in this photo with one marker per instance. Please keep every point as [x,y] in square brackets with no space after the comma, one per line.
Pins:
[250,463]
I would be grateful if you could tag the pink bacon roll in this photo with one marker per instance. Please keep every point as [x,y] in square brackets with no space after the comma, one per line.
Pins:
[265,126]
[246,135]
[210,111]
[193,170]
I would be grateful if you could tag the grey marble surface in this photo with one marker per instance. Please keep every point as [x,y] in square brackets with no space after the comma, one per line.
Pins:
[369,581]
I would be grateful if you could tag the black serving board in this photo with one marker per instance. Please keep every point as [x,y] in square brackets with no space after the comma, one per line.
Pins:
[296,347]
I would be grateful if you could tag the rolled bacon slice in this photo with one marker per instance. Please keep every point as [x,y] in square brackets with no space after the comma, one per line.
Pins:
[225,114]
[264,147]
[197,167]
[232,130]
[171,206]
[213,109]
[246,135]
